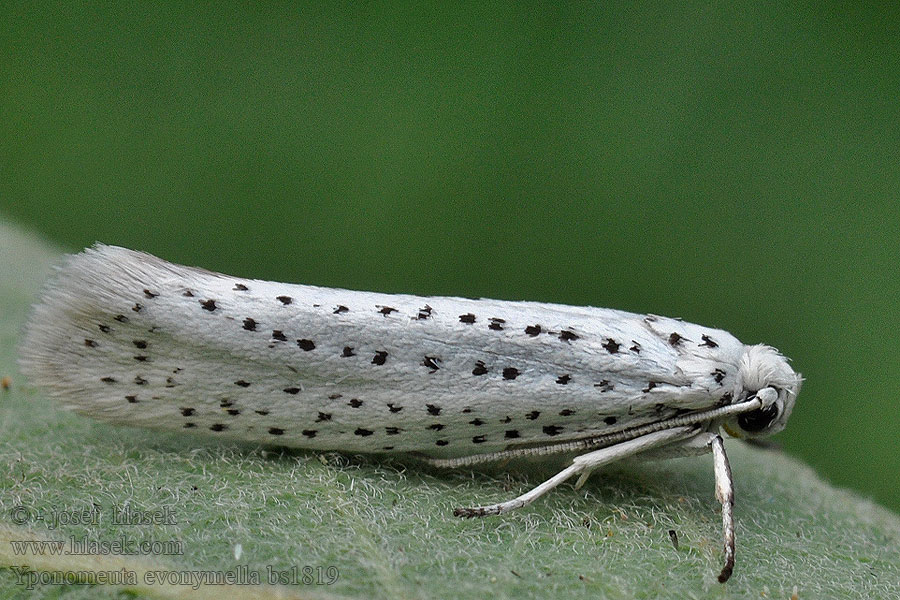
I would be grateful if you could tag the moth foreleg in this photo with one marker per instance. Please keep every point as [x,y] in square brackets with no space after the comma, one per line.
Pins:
[582,465]
[704,444]
[725,495]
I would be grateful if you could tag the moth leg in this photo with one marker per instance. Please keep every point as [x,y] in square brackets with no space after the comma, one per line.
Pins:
[725,495]
[523,500]
[692,446]
[704,444]
[581,465]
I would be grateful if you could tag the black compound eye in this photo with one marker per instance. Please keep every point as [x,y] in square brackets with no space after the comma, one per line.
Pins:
[757,420]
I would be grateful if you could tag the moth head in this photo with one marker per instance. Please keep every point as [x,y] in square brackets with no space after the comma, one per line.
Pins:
[765,374]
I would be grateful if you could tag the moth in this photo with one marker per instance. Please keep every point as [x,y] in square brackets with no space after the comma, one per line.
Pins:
[129,338]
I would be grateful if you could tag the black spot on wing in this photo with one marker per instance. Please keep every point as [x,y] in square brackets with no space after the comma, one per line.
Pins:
[568,335]
[675,340]
[604,385]
[510,373]
[611,346]
[708,341]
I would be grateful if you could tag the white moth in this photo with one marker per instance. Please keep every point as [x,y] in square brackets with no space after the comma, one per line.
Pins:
[128,338]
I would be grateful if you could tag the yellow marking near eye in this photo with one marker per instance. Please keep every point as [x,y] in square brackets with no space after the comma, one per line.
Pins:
[731,432]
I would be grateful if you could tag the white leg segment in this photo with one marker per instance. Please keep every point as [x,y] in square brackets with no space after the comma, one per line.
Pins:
[725,495]
[583,465]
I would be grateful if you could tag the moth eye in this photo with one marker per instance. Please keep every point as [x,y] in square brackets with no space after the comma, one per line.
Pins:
[757,420]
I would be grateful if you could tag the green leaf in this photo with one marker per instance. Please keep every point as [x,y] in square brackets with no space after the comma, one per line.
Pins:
[386,527]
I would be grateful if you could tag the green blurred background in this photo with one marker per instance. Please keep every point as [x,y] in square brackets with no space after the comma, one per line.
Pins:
[734,164]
